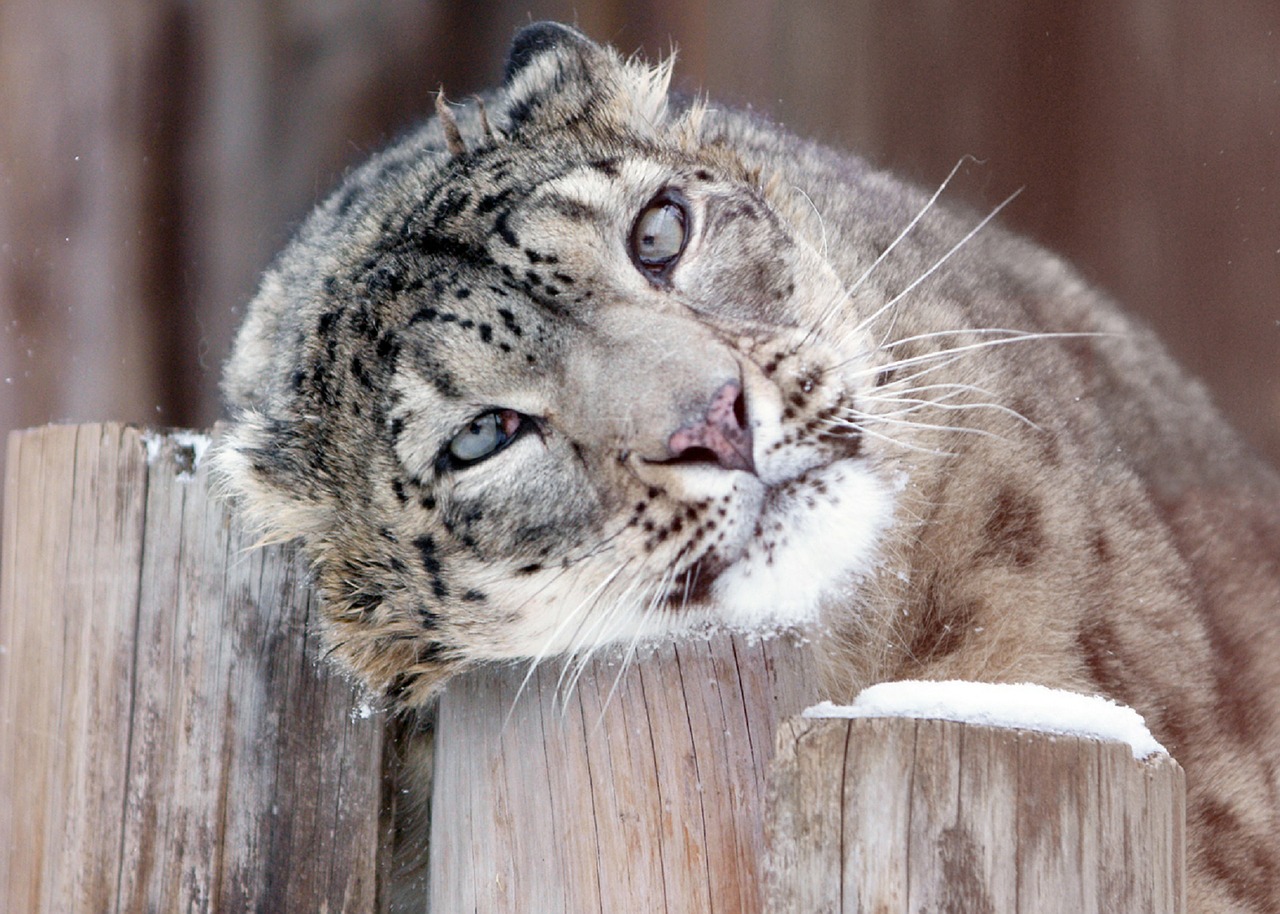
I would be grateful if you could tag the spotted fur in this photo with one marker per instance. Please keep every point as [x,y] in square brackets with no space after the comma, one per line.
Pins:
[839,406]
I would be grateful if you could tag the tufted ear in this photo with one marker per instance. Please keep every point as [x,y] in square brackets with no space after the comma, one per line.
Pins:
[555,74]
[535,39]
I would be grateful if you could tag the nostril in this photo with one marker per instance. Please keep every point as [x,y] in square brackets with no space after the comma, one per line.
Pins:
[694,455]
[740,410]
[722,436]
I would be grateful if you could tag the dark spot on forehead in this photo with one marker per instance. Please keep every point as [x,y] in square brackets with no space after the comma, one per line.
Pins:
[509,321]
[361,375]
[491,202]
[388,346]
[432,243]
[327,322]
[538,257]
[504,230]
[455,201]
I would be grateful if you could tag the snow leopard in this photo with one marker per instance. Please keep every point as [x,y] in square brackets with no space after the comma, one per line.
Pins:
[583,361]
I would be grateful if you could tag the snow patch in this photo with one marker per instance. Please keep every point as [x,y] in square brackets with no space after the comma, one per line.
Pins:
[187,449]
[1023,706]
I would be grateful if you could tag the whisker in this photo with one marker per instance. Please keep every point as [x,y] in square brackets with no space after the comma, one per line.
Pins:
[857,283]
[928,426]
[919,405]
[866,322]
[829,312]
[976,331]
[588,636]
[541,654]
[654,601]
[822,224]
[956,387]
[863,430]
[939,404]
[970,347]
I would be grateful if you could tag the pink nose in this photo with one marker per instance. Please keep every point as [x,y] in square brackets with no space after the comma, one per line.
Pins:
[722,436]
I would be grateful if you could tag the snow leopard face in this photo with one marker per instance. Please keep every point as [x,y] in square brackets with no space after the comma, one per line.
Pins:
[561,369]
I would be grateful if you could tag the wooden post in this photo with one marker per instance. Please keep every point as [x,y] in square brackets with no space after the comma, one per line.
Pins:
[170,740]
[896,815]
[637,789]
[168,737]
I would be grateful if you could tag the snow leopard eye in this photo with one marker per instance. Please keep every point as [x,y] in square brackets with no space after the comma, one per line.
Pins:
[483,437]
[659,234]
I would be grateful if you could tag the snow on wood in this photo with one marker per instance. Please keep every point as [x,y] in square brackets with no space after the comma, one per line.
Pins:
[896,815]
[1022,706]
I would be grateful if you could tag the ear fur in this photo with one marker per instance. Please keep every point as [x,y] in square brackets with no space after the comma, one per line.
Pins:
[538,38]
[554,73]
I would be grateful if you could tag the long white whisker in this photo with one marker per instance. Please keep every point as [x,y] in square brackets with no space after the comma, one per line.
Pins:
[559,629]
[863,418]
[822,224]
[857,283]
[866,322]
[956,407]
[970,347]
[831,310]
[590,636]
[892,389]
[863,430]
[654,601]
[976,331]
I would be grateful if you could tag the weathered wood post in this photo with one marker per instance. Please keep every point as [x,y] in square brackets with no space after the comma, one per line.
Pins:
[638,789]
[168,737]
[897,815]
[170,740]
[657,802]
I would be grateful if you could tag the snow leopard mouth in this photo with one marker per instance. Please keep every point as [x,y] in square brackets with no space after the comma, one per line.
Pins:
[782,508]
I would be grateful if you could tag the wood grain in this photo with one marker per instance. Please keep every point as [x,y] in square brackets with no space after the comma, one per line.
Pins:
[901,815]
[638,789]
[169,739]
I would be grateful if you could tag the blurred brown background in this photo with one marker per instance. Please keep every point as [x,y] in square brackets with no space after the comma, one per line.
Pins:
[154,155]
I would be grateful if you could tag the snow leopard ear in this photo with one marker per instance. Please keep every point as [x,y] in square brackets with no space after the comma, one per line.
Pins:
[533,40]
[556,76]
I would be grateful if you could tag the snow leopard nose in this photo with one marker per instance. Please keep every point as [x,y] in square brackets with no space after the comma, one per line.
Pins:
[722,435]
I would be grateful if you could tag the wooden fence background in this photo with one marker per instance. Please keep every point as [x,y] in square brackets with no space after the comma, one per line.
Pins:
[154,154]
